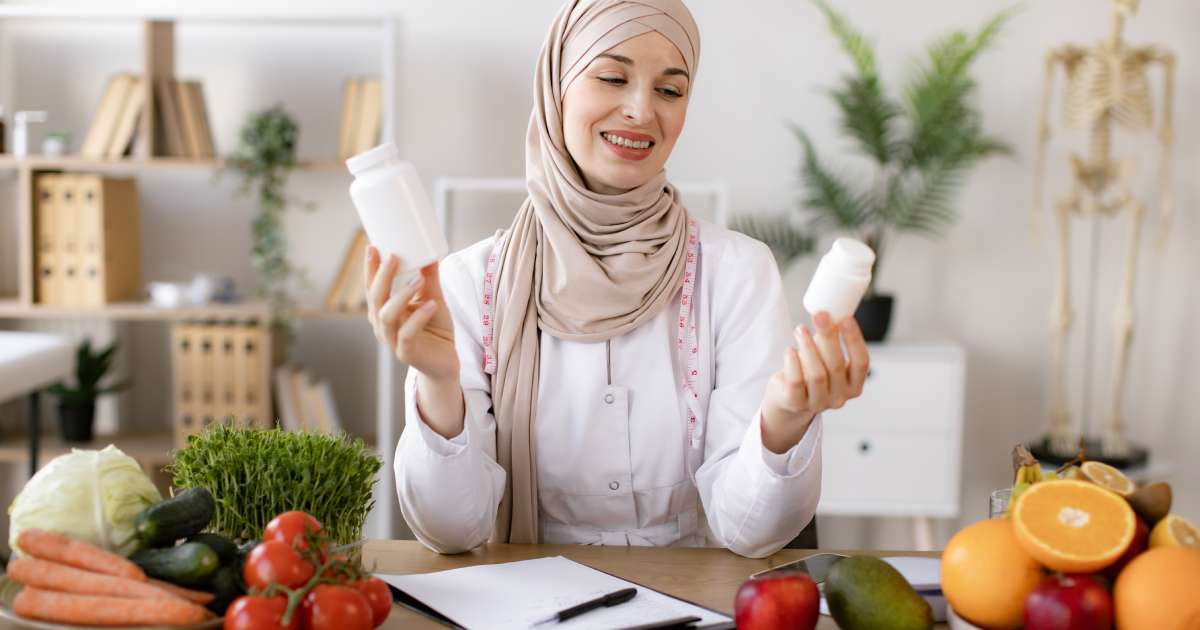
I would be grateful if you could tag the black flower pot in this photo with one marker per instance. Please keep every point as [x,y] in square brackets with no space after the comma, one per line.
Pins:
[76,421]
[874,315]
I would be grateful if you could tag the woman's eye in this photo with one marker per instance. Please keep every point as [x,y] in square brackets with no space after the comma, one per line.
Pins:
[613,80]
[670,91]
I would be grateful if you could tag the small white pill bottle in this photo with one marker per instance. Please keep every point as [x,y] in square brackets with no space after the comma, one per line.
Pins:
[394,209]
[842,278]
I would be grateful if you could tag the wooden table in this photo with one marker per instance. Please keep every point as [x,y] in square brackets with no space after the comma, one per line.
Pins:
[708,577]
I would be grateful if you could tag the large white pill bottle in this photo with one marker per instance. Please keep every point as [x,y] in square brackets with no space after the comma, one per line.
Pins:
[394,209]
[842,278]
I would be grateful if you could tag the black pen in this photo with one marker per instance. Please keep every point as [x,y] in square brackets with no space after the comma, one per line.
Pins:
[669,624]
[611,599]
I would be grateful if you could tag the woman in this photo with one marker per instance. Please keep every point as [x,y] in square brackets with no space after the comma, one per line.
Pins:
[601,372]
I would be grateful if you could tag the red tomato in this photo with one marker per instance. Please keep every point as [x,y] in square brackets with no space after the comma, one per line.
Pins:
[378,596]
[336,608]
[332,573]
[259,613]
[290,527]
[276,563]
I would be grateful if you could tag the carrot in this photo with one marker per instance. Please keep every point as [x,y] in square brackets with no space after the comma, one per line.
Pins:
[53,576]
[97,610]
[196,597]
[59,548]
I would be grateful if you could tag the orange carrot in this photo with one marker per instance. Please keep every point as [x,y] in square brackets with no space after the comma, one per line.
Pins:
[196,597]
[97,610]
[53,576]
[59,548]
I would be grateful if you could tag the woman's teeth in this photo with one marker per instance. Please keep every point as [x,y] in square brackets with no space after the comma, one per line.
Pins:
[625,142]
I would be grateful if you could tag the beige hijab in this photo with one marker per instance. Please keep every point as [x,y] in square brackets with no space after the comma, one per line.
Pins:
[577,264]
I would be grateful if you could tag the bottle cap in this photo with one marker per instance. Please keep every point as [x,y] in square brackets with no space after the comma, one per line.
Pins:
[373,157]
[854,254]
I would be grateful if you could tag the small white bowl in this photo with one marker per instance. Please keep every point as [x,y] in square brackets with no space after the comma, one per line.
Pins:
[958,623]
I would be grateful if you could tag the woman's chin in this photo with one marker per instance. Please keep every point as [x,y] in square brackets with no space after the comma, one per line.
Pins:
[622,179]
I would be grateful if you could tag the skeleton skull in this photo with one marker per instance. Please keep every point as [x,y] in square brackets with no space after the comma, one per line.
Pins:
[1127,8]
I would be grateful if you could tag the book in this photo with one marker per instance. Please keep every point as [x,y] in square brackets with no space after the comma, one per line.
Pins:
[187,116]
[352,263]
[104,121]
[199,132]
[127,123]
[369,110]
[347,132]
[168,112]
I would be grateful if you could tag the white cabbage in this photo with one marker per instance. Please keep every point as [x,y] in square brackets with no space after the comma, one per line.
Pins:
[93,496]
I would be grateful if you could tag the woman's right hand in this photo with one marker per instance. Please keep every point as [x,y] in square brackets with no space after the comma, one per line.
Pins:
[414,322]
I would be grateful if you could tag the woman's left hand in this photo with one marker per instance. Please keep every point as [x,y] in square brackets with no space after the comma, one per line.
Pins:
[817,375]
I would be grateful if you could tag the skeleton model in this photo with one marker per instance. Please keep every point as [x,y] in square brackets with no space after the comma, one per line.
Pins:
[1106,85]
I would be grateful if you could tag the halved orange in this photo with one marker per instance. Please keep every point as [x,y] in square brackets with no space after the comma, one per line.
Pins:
[1175,531]
[1104,475]
[1073,526]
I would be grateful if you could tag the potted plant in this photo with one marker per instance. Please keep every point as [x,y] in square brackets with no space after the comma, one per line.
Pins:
[77,405]
[919,149]
[265,156]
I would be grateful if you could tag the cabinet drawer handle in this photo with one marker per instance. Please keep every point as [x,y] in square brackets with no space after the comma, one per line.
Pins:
[864,447]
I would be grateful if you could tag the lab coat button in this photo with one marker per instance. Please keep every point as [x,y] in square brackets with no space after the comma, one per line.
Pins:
[613,485]
[608,400]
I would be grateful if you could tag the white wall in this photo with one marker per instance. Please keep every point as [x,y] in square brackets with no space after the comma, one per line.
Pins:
[464,96]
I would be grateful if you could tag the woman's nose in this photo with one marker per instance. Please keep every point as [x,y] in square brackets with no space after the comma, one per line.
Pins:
[636,109]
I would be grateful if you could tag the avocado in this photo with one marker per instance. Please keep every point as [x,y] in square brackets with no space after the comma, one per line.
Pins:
[866,593]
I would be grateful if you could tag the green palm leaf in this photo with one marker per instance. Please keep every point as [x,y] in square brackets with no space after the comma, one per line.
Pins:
[787,242]
[855,44]
[828,194]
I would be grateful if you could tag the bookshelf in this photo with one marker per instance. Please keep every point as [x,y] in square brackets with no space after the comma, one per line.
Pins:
[157,59]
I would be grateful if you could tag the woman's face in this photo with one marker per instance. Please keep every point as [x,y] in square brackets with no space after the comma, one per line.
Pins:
[624,112]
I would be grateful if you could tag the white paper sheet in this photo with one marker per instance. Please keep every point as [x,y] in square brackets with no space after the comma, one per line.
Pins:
[516,594]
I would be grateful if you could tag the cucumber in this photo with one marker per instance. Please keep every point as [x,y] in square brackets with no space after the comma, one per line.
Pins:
[226,586]
[180,516]
[226,549]
[189,564]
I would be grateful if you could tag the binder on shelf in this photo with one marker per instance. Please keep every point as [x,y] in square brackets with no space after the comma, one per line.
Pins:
[206,377]
[168,115]
[338,297]
[225,369]
[255,400]
[49,232]
[183,367]
[100,132]
[69,255]
[126,125]
[347,131]
[370,108]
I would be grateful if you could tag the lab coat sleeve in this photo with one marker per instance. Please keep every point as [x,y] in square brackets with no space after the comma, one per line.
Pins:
[755,502]
[449,490]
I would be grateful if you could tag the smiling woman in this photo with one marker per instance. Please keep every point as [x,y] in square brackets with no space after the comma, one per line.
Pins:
[609,370]
[623,115]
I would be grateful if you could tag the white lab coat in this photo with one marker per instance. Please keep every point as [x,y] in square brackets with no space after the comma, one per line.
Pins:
[613,461]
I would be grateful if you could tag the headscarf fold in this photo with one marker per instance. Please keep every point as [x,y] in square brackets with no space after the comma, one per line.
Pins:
[576,264]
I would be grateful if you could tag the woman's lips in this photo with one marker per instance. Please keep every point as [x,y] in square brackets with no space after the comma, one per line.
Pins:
[628,152]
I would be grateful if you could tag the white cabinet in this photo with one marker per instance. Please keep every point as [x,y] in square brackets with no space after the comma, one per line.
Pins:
[897,449]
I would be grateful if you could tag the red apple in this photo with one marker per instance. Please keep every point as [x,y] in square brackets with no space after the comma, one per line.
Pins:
[1141,542]
[784,600]
[1069,602]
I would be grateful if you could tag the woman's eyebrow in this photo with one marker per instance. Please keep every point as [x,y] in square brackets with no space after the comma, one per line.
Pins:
[629,62]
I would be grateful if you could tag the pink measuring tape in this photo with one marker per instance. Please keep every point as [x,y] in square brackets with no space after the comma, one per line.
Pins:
[686,340]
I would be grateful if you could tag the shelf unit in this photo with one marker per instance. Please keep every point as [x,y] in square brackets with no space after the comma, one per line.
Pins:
[159,61]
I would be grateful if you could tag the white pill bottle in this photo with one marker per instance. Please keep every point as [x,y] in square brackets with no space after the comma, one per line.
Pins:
[842,278]
[394,209]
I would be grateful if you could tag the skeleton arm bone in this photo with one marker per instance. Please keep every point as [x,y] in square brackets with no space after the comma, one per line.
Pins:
[1166,136]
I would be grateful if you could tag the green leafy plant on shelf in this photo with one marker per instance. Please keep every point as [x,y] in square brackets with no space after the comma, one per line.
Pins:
[920,148]
[90,368]
[254,475]
[265,156]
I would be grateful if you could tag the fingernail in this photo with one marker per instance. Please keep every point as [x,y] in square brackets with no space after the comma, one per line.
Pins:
[429,306]
[804,331]
[415,280]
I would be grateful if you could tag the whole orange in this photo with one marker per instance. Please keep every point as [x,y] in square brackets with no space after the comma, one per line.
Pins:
[986,574]
[1160,590]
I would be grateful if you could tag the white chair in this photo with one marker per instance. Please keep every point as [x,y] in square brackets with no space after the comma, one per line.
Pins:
[28,363]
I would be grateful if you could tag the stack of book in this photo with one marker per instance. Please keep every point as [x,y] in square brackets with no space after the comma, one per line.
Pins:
[304,403]
[362,108]
[349,289]
[220,373]
[87,248]
[180,113]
